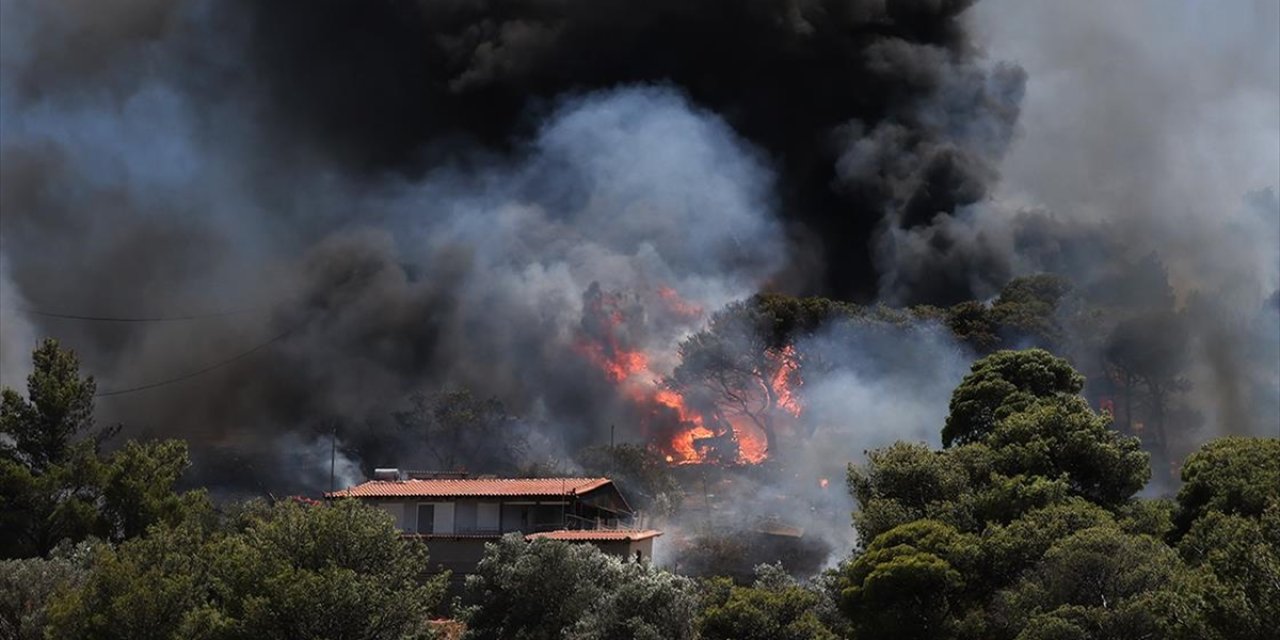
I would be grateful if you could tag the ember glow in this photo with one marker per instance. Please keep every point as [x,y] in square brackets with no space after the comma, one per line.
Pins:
[683,433]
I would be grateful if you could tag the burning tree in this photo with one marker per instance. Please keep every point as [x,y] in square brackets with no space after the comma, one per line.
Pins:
[738,379]
[1145,358]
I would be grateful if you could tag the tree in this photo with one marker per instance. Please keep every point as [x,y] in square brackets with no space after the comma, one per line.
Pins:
[459,429]
[1242,556]
[972,323]
[1102,583]
[285,571]
[27,585]
[39,430]
[39,510]
[1002,384]
[910,582]
[55,485]
[905,482]
[1228,523]
[986,538]
[1146,356]
[1233,476]
[775,607]
[1012,549]
[1063,437]
[548,589]
[731,369]
[137,488]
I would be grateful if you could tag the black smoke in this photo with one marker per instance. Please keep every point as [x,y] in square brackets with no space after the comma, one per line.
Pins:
[398,197]
[875,114]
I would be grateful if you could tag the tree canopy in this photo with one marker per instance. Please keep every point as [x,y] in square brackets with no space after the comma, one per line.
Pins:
[287,571]
[1002,384]
[56,484]
[1026,526]
[547,589]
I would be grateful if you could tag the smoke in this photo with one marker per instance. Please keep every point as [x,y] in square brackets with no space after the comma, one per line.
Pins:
[472,274]
[876,115]
[1154,155]
[371,199]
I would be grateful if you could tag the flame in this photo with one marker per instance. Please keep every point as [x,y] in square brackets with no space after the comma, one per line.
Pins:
[677,305]
[686,436]
[785,379]
[618,364]
[823,482]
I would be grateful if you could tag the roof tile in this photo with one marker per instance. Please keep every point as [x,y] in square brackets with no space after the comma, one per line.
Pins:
[471,487]
[596,535]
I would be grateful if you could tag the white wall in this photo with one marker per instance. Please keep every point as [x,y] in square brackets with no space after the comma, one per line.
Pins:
[396,509]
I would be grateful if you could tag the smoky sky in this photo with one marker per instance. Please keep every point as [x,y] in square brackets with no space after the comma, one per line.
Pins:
[872,113]
[401,196]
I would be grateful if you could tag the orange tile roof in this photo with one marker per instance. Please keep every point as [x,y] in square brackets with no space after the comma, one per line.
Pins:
[471,487]
[596,535]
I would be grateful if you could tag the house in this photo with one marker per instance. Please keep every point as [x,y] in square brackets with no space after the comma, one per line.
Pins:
[458,514]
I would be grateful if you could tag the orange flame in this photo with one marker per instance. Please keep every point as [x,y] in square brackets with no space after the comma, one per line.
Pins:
[677,305]
[631,370]
[618,364]
[784,380]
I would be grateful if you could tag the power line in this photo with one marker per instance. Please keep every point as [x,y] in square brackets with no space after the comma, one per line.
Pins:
[192,374]
[182,318]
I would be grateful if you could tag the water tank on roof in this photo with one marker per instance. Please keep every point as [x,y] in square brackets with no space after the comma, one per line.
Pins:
[386,474]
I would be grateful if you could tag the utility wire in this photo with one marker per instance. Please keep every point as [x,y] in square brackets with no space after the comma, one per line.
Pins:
[187,376]
[200,316]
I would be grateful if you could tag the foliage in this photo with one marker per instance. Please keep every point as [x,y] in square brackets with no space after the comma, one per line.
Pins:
[1054,449]
[1235,476]
[1026,526]
[27,585]
[1002,384]
[1146,355]
[549,589]
[1099,583]
[1228,524]
[775,607]
[1028,310]
[40,429]
[1242,556]
[55,486]
[1062,437]
[286,571]
[910,581]
[726,370]
[906,482]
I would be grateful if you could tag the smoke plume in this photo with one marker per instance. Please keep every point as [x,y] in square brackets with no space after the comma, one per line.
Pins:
[347,203]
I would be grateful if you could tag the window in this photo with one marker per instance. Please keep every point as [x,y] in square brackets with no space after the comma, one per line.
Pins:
[426,518]
[464,517]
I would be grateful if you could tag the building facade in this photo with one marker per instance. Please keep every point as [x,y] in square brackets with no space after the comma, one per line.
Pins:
[457,515]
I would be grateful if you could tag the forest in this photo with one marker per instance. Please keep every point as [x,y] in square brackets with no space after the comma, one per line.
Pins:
[1030,523]
[879,319]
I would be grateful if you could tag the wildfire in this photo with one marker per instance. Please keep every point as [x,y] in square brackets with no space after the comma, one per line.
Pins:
[784,380]
[687,435]
[617,364]
[677,305]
